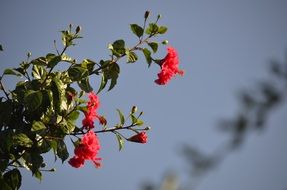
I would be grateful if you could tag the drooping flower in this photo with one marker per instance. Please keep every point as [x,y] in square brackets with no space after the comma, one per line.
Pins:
[169,67]
[91,113]
[139,138]
[88,149]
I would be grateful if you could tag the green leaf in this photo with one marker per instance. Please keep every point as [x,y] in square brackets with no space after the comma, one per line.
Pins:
[59,94]
[53,60]
[113,74]
[137,30]
[67,59]
[154,46]
[147,55]
[22,140]
[37,126]
[131,56]
[134,119]
[33,99]
[38,72]
[152,29]
[88,64]
[120,141]
[62,151]
[3,164]
[38,175]
[39,61]
[85,85]
[77,73]
[67,126]
[118,48]
[74,115]
[122,118]
[33,160]
[1,48]
[13,178]
[139,122]
[103,83]
[162,30]
[10,72]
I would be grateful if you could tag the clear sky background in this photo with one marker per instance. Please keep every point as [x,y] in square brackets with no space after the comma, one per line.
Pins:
[224,46]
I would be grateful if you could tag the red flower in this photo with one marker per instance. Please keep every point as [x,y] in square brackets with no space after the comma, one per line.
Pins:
[169,67]
[87,150]
[91,113]
[139,138]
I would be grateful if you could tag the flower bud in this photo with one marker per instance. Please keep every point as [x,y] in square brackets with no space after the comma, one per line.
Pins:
[29,54]
[165,42]
[147,128]
[139,138]
[78,29]
[53,170]
[134,109]
[146,14]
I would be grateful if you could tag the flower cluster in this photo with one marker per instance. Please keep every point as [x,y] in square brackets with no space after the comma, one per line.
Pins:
[91,113]
[87,150]
[139,138]
[169,67]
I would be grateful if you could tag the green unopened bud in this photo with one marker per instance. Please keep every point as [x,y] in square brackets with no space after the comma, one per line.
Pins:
[53,170]
[158,16]
[134,109]
[78,29]
[146,14]
[43,165]
[29,54]
[147,128]
[165,42]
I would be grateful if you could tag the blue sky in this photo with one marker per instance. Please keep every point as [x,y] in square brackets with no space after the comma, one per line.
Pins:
[224,46]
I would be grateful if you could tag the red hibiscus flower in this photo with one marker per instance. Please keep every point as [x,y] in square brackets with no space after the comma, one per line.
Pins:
[87,150]
[169,67]
[139,138]
[91,113]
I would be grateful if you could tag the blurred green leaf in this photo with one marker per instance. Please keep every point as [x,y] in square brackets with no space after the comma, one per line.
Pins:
[147,55]
[38,72]
[152,29]
[33,99]
[39,61]
[59,94]
[118,48]
[77,73]
[38,175]
[88,64]
[10,72]
[103,83]
[84,84]
[74,115]
[137,30]
[162,30]
[1,48]
[12,178]
[122,118]
[37,126]
[62,151]
[53,60]
[22,140]
[154,46]
[120,141]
